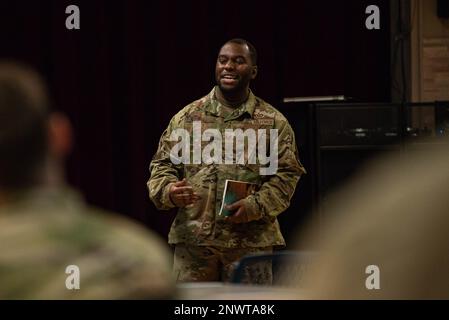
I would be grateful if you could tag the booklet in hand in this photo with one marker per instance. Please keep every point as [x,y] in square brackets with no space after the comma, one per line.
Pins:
[233,191]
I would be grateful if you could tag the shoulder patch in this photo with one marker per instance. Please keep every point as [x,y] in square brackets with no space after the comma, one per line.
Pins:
[193,116]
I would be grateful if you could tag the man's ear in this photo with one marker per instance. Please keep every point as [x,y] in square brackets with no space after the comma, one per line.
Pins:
[254,72]
[60,135]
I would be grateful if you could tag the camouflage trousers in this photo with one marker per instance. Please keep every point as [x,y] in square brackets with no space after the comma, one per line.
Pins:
[201,263]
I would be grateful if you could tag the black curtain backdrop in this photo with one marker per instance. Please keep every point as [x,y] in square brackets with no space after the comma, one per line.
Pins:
[134,64]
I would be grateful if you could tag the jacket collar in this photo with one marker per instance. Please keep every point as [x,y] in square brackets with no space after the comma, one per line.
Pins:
[247,107]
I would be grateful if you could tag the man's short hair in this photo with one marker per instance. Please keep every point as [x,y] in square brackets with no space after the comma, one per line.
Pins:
[252,49]
[23,125]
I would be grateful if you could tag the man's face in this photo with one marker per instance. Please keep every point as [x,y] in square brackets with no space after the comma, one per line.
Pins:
[234,69]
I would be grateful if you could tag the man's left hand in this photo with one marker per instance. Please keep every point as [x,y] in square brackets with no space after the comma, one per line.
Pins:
[240,215]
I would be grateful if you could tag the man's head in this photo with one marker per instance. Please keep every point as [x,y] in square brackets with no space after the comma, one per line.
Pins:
[28,133]
[236,66]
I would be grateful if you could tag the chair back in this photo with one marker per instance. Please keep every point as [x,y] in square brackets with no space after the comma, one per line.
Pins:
[288,266]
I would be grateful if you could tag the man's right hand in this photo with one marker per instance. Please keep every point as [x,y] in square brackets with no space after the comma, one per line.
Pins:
[182,195]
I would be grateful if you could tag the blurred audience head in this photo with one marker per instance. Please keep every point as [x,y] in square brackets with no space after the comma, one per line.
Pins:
[385,235]
[30,136]
[46,227]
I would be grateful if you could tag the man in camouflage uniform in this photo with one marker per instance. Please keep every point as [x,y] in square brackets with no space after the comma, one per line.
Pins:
[46,229]
[207,244]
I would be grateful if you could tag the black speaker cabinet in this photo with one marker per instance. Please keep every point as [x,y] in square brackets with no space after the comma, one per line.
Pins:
[442,118]
[443,9]
[357,125]
[337,139]
[347,137]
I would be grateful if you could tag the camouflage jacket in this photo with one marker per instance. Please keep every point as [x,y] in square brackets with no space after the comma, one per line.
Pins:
[44,231]
[201,224]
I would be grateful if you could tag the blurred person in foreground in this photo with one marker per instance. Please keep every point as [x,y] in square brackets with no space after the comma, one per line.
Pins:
[386,235]
[45,226]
